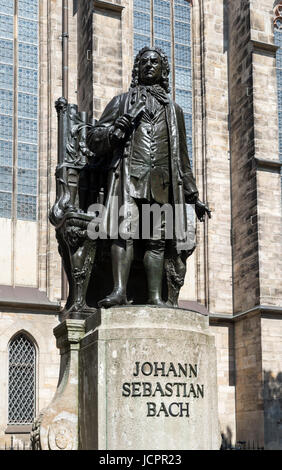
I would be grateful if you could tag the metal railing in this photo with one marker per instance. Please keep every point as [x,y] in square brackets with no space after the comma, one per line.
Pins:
[241,445]
[17,445]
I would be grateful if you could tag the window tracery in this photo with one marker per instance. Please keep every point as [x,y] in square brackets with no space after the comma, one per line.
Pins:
[22,372]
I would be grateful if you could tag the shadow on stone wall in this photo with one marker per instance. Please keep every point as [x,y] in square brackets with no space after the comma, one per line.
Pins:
[272,394]
[226,439]
[240,445]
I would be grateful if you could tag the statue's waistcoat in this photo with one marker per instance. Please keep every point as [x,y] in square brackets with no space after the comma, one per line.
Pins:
[149,166]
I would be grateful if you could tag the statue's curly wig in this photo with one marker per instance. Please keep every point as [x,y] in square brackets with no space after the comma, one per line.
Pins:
[165,67]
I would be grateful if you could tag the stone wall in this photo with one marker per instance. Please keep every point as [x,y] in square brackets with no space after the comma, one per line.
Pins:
[249,396]
[50,89]
[271,328]
[105,51]
[256,188]
[258,359]
[107,57]
[85,56]
[224,343]
[243,181]
[267,153]
[270,236]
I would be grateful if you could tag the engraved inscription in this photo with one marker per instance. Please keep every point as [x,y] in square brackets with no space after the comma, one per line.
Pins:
[172,388]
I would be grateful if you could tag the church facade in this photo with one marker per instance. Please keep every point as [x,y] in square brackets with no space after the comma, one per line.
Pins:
[226,74]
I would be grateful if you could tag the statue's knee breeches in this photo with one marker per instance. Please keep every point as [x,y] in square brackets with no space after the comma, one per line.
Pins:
[155,247]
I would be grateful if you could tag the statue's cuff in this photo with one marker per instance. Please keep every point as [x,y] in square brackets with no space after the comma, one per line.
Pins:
[191,199]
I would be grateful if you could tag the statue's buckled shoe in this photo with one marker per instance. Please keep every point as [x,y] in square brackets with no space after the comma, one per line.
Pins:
[113,299]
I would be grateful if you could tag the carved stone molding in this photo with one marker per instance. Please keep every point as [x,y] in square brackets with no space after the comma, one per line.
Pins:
[56,427]
[274,166]
[263,47]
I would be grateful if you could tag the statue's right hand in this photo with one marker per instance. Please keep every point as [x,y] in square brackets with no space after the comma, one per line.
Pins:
[121,128]
[123,123]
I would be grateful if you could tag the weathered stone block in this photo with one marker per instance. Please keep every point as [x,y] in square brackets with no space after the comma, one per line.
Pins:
[148,381]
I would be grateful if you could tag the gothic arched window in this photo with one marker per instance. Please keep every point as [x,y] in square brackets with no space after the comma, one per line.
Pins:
[22,374]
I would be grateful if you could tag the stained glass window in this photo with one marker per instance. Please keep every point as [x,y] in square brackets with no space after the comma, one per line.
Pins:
[22,368]
[278,42]
[6,106]
[27,108]
[162,26]
[142,24]
[19,107]
[183,67]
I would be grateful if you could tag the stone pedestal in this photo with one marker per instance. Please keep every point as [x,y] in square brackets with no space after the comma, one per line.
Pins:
[148,381]
[140,378]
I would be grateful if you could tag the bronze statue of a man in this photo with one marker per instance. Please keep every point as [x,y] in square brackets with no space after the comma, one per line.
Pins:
[141,137]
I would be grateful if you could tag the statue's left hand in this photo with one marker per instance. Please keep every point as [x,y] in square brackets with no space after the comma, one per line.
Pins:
[201,210]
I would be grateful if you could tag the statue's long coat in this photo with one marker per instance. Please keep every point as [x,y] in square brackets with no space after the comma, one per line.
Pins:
[117,158]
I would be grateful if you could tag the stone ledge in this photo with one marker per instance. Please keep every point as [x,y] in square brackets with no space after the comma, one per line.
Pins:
[268,165]
[27,298]
[18,429]
[193,306]
[141,317]
[264,310]
[259,46]
[104,5]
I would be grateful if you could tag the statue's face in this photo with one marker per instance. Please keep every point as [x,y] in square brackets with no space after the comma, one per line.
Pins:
[150,68]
